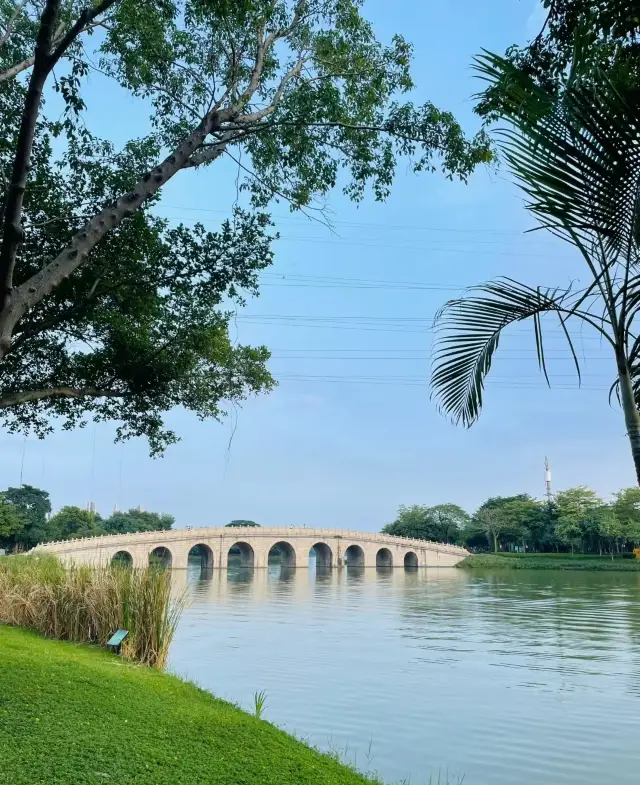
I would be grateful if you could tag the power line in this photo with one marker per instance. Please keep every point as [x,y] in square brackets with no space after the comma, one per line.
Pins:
[322,281]
[565,354]
[424,382]
[364,224]
[401,247]
[426,358]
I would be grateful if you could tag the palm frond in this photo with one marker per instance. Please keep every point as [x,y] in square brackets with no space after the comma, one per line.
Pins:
[576,156]
[468,335]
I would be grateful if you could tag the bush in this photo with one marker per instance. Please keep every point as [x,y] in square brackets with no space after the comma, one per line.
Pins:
[88,604]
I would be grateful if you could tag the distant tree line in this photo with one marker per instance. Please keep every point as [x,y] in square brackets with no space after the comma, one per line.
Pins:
[26,520]
[576,520]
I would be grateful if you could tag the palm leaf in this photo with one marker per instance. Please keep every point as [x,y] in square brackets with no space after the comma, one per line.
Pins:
[576,156]
[468,334]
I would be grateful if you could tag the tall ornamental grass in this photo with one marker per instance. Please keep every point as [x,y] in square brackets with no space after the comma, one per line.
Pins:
[88,604]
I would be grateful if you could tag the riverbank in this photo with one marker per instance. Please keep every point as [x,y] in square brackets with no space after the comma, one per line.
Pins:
[548,561]
[74,713]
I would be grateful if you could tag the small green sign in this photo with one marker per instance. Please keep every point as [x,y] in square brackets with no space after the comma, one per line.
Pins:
[117,638]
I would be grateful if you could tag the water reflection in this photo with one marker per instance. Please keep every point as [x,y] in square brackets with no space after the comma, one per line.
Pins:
[528,677]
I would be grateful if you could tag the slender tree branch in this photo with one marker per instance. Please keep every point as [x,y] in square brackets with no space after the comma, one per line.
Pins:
[17,69]
[25,64]
[10,24]
[282,195]
[82,22]
[33,396]
[258,115]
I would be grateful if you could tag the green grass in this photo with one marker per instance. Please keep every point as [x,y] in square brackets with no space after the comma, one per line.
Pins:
[71,714]
[548,561]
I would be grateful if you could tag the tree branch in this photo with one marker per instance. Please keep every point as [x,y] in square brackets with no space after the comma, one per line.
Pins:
[260,114]
[52,321]
[32,396]
[14,18]
[17,69]
[18,301]
[263,47]
[14,70]
[47,53]
[12,232]
[82,22]
[28,294]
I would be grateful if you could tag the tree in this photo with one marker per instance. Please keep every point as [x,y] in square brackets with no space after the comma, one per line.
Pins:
[627,510]
[451,520]
[605,32]
[73,522]
[493,523]
[12,522]
[574,156]
[609,527]
[105,312]
[579,513]
[34,505]
[441,523]
[243,523]
[137,521]
[513,519]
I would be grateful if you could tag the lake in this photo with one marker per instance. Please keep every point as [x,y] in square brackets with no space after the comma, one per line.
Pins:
[528,677]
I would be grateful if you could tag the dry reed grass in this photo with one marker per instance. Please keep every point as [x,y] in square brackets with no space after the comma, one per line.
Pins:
[87,604]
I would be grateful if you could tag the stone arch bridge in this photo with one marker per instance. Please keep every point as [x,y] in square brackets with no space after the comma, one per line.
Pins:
[254,547]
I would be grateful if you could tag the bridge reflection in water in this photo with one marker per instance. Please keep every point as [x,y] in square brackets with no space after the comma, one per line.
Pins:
[218,586]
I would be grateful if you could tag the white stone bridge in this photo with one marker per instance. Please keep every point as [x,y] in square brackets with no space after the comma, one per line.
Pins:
[253,546]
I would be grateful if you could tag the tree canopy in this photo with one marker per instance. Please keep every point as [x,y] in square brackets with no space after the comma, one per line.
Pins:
[106,311]
[442,523]
[603,32]
[26,520]
[33,506]
[575,519]
[240,522]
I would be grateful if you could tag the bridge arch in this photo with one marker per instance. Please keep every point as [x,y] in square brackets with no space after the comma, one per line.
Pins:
[122,559]
[384,558]
[282,552]
[245,553]
[204,554]
[410,559]
[354,556]
[323,554]
[161,556]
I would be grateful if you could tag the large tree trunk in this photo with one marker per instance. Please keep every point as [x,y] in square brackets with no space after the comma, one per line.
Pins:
[631,417]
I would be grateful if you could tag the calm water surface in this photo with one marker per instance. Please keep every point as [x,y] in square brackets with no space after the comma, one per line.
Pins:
[512,677]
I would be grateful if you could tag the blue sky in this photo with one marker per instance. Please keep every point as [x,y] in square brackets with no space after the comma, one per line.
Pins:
[350,433]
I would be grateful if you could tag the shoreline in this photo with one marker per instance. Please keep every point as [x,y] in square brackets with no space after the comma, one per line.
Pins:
[548,561]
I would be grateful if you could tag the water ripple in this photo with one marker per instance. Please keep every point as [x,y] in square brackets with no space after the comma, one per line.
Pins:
[527,678]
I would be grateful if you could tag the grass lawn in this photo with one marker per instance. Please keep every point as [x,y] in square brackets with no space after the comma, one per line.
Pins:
[548,561]
[77,715]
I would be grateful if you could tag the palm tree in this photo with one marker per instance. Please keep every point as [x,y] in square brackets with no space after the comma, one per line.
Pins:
[576,156]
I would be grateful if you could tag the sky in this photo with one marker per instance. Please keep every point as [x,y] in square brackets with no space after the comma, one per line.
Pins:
[350,433]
